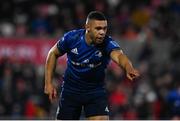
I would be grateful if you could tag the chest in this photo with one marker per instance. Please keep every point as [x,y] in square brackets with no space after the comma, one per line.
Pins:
[84,54]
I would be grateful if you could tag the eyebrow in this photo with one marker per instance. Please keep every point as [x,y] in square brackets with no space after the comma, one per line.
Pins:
[100,27]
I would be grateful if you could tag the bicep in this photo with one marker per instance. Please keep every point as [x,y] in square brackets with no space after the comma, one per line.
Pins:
[54,50]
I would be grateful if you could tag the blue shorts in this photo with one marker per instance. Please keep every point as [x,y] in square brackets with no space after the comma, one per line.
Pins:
[71,104]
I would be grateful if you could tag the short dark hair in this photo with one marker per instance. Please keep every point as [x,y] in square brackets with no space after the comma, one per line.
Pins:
[96,15]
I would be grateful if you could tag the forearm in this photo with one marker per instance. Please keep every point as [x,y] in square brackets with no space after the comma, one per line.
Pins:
[124,62]
[50,67]
[121,59]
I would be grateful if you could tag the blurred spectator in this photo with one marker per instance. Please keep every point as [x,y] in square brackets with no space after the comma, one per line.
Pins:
[173,102]
[7,29]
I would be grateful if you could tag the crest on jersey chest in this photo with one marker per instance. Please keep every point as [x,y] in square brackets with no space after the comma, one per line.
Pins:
[98,53]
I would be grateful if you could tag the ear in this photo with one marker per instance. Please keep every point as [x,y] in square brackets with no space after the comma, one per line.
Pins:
[87,27]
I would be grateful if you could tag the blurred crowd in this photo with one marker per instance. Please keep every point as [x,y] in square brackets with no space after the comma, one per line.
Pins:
[147,30]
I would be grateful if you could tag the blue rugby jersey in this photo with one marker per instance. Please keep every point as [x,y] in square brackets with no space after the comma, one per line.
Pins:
[86,64]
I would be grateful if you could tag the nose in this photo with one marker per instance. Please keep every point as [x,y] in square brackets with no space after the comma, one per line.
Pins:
[102,32]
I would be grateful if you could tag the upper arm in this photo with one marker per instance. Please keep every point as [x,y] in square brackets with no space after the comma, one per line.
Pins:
[64,43]
[54,50]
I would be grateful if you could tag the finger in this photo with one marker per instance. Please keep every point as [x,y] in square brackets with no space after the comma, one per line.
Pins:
[50,97]
[137,73]
[129,77]
[45,91]
[54,93]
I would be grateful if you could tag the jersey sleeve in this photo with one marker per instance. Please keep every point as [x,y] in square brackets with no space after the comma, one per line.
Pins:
[62,43]
[111,45]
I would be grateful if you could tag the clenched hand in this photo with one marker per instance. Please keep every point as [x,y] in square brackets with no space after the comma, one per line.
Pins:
[51,91]
[132,74]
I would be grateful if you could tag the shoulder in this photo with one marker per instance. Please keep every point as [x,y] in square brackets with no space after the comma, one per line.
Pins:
[74,34]
[71,36]
[110,40]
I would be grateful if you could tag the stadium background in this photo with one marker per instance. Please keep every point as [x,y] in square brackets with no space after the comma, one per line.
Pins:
[147,30]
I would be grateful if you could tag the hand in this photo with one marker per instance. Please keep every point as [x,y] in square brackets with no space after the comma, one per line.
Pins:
[132,74]
[50,90]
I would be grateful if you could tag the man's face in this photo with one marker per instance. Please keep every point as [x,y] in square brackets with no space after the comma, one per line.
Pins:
[97,30]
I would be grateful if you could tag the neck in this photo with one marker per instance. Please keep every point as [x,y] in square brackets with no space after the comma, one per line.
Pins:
[88,39]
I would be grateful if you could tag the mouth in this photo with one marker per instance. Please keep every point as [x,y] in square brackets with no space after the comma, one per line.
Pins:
[100,39]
